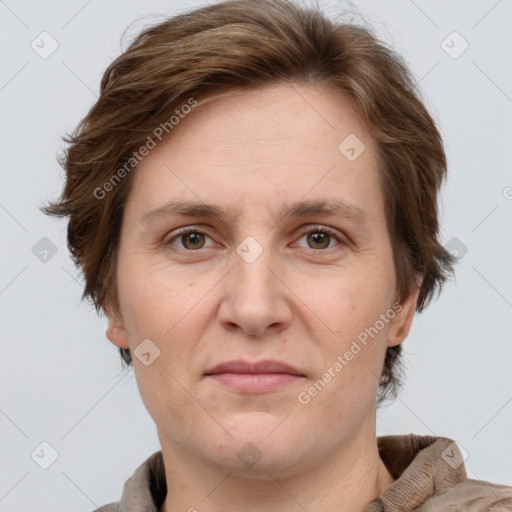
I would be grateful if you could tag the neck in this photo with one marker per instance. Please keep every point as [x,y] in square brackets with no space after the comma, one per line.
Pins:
[353,476]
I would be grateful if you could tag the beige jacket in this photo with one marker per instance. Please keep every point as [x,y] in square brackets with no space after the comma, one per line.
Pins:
[429,472]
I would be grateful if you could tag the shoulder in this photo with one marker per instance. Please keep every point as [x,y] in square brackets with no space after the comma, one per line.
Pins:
[431,477]
[145,490]
[111,507]
[471,496]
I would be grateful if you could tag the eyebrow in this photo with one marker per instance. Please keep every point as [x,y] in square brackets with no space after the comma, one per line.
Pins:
[299,209]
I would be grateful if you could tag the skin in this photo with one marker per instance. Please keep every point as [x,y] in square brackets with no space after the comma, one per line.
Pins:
[302,301]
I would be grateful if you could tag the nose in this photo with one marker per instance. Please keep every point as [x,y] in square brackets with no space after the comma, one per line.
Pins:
[256,299]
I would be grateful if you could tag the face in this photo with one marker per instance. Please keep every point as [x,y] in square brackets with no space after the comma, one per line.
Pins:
[253,271]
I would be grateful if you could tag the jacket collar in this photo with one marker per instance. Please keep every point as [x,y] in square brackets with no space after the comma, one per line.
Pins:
[421,465]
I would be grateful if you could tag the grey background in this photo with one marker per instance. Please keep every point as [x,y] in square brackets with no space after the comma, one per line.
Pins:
[61,380]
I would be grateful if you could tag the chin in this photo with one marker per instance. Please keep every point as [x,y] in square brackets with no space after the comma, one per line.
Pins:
[260,446]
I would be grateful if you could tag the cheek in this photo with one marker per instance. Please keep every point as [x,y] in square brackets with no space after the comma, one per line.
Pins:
[168,307]
[161,305]
[153,298]
[350,309]
[345,304]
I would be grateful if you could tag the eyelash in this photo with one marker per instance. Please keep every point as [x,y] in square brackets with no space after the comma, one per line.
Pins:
[313,229]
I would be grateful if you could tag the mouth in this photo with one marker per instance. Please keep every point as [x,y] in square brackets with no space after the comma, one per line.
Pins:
[258,377]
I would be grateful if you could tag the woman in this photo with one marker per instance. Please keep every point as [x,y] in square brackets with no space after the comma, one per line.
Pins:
[253,202]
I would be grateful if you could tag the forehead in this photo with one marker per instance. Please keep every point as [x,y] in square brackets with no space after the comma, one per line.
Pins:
[271,146]
[264,120]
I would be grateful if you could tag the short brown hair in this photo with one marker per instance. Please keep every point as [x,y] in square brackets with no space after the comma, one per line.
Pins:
[251,43]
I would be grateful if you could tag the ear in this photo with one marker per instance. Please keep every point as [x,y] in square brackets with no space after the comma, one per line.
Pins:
[116,331]
[400,325]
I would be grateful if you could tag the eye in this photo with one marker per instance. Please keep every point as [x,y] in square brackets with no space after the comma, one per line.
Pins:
[191,239]
[320,238]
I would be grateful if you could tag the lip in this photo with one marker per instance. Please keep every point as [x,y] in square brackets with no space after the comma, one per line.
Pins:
[254,377]
[264,366]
